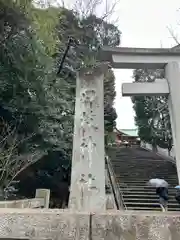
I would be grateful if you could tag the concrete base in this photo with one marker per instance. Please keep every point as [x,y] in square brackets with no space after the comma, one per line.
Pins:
[134,225]
[68,225]
[43,224]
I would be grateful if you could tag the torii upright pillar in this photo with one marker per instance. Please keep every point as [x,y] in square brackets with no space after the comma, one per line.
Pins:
[172,73]
[87,191]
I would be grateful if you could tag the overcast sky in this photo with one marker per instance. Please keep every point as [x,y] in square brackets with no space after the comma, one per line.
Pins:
[143,24]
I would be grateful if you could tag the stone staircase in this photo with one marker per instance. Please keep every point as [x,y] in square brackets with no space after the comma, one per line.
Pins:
[133,167]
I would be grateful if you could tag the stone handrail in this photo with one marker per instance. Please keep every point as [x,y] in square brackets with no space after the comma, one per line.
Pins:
[115,187]
[64,224]
[41,200]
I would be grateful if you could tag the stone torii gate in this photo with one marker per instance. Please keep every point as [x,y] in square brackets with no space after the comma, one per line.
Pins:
[153,58]
[87,190]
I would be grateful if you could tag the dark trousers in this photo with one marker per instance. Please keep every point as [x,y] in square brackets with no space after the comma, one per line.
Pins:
[162,192]
[177,197]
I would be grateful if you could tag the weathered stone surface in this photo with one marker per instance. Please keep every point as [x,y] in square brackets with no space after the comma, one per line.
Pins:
[159,87]
[24,203]
[43,224]
[110,202]
[41,200]
[66,225]
[135,226]
[45,195]
[87,191]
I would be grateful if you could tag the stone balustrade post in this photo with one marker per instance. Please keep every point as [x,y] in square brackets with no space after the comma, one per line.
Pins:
[43,193]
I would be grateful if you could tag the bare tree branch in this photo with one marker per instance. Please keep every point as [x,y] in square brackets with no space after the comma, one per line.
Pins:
[34,158]
[110,9]
[173,35]
[94,7]
[11,161]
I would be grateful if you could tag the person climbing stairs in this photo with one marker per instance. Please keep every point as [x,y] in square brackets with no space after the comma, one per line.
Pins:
[133,168]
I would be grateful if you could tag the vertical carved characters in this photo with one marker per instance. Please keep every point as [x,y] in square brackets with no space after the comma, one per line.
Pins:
[88,170]
[88,102]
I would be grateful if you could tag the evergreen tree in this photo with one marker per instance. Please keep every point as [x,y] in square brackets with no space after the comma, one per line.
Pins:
[152,116]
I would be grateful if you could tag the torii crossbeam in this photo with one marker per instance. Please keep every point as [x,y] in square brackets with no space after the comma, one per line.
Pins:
[159,87]
[133,58]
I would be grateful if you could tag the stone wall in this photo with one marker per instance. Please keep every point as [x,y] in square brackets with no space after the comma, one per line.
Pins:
[41,200]
[24,203]
[69,225]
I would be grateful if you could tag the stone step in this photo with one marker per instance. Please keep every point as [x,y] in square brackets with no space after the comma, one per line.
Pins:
[171,184]
[141,171]
[141,193]
[144,183]
[142,180]
[149,204]
[147,162]
[130,178]
[141,160]
[139,181]
[133,168]
[127,192]
[129,188]
[127,172]
[143,187]
[131,159]
[141,165]
[151,166]
[151,209]
[148,200]
[144,196]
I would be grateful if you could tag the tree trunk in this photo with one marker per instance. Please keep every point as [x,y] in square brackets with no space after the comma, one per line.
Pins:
[154,147]
[1,194]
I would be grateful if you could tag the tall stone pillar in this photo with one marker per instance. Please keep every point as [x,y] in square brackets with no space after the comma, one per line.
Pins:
[172,72]
[87,191]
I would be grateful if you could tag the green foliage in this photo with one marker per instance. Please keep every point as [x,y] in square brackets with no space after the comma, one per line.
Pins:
[44,22]
[21,75]
[89,33]
[152,116]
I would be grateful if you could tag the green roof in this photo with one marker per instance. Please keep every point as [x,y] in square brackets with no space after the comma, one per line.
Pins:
[130,132]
